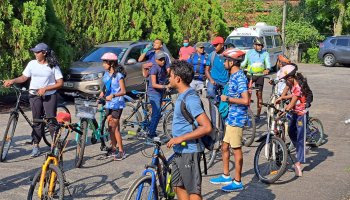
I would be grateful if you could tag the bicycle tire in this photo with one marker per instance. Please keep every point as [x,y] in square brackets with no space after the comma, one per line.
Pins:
[313,121]
[47,136]
[81,142]
[281,163]
[147,179]
[36,179]
[249,129]
[126,117]
[104,133]
[8,136]
[209,157]
[167,124]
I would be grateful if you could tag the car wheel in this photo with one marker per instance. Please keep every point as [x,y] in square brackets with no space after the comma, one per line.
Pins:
[329,60]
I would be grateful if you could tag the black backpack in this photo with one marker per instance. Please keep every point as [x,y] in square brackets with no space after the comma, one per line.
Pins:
[309,99]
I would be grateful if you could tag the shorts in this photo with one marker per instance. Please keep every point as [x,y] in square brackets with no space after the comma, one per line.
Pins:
[233,136]
[114,113]
[259,82]
[186,172]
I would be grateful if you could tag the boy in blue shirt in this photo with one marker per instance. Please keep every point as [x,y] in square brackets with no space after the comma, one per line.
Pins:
[186,172]
[237,97]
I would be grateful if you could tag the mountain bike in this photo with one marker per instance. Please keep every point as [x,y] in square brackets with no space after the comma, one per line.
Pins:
[154,182]
[49,182]
[133,122]
[86,109]
[13,120]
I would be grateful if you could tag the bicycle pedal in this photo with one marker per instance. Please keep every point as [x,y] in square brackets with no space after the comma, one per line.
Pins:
[66,183]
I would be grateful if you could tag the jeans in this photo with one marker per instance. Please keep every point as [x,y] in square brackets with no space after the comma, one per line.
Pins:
[297,133]
[155,100]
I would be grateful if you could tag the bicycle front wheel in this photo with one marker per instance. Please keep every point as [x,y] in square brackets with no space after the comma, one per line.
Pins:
[141,189]
[57,189]
[8,136]
[47,136]
[249,129]
[167,124]
[209,158]
[130,120]
[316,132]
[81,141]
[270,160]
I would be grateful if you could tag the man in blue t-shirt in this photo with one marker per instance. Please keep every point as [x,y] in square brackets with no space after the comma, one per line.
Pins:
[198,60]
[156,87]
[215,70]
[186,172]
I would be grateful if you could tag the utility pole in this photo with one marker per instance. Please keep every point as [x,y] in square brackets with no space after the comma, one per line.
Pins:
[284,18]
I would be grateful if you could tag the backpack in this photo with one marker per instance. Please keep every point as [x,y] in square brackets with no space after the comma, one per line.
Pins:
[309,99]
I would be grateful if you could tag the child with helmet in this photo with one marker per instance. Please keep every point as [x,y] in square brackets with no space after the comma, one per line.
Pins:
[299,90]
[114,91]
[237,97]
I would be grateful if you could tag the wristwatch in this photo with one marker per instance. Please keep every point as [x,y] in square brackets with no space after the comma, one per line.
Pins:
[227,99]
[114,95]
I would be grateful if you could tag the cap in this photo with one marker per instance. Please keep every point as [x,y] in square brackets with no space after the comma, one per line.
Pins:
[218,40]
[200,44]
[40,47]
[160,55]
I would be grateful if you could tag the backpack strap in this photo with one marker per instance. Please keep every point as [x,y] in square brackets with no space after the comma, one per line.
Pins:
[212,57]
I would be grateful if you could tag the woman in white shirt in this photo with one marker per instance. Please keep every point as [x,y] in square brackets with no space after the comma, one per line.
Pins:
[46,78]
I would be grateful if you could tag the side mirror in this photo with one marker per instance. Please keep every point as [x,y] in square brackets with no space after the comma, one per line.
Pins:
[131,61]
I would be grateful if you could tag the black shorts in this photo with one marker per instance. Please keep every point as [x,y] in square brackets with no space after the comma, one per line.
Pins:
[186,172]
[114,113]
[258,80]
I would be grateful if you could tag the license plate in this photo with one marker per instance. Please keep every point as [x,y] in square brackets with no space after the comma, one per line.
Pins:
[68,84]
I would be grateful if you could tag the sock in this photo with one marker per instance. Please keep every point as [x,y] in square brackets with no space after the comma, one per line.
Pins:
[236,182]
[226,176]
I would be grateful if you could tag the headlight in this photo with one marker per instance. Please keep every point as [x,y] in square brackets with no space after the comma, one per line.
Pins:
[91,77]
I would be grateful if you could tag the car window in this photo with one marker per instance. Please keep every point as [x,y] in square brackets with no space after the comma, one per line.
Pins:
[342,42]
[135,52]
[269,42]
[95,54]
[278,40]
[241,42]
[332,41]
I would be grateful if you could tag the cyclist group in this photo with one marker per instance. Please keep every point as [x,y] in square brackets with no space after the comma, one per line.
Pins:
[191,74]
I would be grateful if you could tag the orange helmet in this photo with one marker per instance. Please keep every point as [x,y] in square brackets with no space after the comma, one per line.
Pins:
[283,59]
[234,54]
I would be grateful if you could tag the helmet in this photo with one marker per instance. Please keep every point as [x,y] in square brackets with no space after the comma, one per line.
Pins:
[287,70]
[234,54]
[282,58]
[109,56]
[258,40]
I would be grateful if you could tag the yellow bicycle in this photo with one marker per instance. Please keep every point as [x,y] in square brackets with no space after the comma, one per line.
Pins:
[49,182]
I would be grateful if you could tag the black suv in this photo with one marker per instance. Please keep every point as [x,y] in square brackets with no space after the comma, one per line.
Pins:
[335,49]
[86,74]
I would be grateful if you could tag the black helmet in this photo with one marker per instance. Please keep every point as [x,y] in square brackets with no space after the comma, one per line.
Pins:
[259,41]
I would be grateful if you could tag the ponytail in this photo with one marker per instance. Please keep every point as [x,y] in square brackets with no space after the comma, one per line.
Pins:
[51,58]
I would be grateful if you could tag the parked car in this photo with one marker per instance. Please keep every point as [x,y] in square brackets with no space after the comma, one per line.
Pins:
[85,76]
[335,49]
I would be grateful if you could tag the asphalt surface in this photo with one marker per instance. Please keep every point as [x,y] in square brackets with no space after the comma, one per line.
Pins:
[326,172]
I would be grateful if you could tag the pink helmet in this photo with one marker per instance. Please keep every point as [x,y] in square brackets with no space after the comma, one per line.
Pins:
[234,54]
[287,70]
[109,56]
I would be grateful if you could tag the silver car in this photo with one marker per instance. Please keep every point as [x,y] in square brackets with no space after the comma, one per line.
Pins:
[85,75]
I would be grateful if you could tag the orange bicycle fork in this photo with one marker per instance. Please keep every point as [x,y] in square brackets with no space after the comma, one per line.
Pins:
[45,166]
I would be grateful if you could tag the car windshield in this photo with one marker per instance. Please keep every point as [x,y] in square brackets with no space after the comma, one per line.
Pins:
[241,42]
[96,53]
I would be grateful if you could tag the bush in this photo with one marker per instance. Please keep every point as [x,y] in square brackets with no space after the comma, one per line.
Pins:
[311,56]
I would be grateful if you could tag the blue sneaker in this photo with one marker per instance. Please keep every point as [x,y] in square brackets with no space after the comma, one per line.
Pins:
[35,152]
[233,187]
[220,180]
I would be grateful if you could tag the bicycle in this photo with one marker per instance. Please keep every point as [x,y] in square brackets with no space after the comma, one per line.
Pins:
[135,122]
[50,179]
[86,109]
[13,119]
[154,182]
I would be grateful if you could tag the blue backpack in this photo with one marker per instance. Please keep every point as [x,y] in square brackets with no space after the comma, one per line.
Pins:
[224,106]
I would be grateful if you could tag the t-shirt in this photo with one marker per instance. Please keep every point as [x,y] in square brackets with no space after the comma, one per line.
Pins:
[237,114]
[260,59]
[281,84]
[300,105]
[218,71]
[42,75]
[113,87]
[185,52]
[181,126]
[161,78]
[151,56]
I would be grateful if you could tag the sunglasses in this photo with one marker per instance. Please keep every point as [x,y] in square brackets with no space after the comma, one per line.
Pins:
[215,45]
[258,45]
[162,59]
[201,47]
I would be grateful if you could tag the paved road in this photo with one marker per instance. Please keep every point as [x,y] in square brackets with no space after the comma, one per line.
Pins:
[326,173]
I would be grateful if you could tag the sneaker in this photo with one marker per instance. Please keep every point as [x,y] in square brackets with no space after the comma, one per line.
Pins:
[220,180]
[120,156]
[111,153]
[233,187]
[257,119]
[298,171]
[35,152]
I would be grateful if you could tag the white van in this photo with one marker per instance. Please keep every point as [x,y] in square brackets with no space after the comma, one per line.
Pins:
[243,37]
